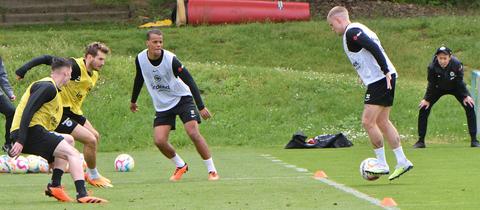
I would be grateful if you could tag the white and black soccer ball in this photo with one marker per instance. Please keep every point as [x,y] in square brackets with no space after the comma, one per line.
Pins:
[366,164]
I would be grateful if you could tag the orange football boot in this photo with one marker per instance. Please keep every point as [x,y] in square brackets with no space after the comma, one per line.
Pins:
[58,193]
[179,171]
[91,199]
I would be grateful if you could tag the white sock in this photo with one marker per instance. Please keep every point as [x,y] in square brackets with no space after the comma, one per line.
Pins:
[210,165]
[178,161]
[93,173]
[401,158]
[380,153]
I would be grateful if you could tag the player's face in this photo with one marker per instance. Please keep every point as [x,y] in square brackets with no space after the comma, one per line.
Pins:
[336,26]
[67,74]
[443,59]
[98,61]
[155,44]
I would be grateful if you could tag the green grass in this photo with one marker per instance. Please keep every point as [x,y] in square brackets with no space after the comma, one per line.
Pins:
[250,181]
[444,176]
[262,81]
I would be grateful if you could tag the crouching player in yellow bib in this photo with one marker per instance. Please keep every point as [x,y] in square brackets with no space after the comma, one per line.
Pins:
[38,114]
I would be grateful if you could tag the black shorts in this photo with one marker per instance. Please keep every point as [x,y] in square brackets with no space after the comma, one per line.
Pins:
[378,94]
[69,121]
[185,108]
[40,142]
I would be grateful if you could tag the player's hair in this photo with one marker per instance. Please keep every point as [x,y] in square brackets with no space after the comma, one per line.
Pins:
[93,48]
[154,31]
[338,11]
[58,63]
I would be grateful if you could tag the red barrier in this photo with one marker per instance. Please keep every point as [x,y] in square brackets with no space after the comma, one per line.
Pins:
[241,11]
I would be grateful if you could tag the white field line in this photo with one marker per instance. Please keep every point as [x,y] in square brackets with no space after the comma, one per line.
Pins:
[339,186]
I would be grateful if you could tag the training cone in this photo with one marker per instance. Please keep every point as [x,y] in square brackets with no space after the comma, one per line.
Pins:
[388,202]
[320,175]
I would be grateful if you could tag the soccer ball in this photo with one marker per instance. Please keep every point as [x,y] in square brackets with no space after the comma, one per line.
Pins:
[37,164]
[43,166]
[124,163]
[366,164]
[4,167]
[19,165]
[33,164]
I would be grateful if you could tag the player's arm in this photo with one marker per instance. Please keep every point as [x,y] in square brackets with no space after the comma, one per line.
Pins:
[431,84]
[75,70]
[460,84]
[4,84]
[357,39]
[137,86]
[180,71]
[44,59]
[40,93]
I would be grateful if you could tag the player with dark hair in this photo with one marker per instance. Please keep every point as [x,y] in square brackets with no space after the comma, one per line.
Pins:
[445,77]
[173,92]
[38,114]
[84,77]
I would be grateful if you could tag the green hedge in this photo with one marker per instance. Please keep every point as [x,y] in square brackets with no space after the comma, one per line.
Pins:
[457,3]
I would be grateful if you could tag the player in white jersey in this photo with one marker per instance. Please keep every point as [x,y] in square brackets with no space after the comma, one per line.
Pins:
[173,92]
[377,72]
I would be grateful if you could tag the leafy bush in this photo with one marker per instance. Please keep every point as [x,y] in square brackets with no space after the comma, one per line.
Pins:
[458,3]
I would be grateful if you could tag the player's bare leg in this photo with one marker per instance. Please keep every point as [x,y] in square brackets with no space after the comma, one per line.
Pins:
[198,140]
[161,134]
[384,123]
[90,144]
[369,122]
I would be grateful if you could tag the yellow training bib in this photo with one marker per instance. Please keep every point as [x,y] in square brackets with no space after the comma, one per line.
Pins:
[49,114]
[75,91]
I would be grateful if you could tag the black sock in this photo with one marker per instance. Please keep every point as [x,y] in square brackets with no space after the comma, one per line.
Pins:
[421,139]
[81,189]
[57,177]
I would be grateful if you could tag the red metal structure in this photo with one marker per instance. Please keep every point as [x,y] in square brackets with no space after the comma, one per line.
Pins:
[241,11]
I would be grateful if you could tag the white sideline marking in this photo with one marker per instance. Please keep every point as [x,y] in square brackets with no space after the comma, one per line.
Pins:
[339,186]
[265,178]
[301,169]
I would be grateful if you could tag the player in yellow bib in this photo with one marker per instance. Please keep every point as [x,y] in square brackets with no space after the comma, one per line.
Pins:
[84,77]
[37,115]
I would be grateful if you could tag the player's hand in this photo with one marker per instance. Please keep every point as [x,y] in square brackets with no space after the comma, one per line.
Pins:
[388,76]
[133,107]
[468,101]
[423,104]
[205,113]
[19,77]
[16,150]
[13,97]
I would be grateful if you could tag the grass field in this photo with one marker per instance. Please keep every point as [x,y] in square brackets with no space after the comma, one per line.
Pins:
[263,82]
[251,181]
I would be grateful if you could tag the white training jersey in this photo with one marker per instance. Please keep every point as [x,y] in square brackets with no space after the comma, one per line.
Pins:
[164,88]
[363,61]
